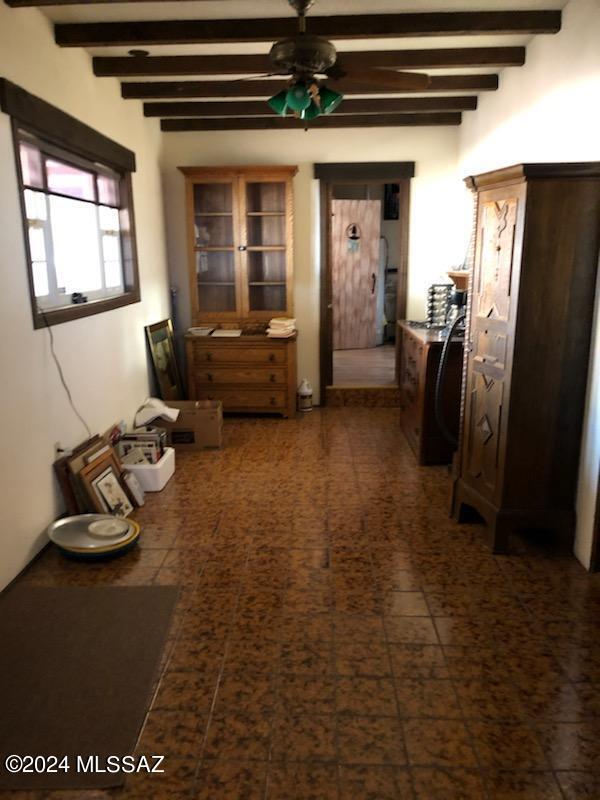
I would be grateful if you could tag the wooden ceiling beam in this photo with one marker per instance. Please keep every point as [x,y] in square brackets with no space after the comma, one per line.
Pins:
[258,108]
[129,66]
[172,90]
[355,26]
[290,123]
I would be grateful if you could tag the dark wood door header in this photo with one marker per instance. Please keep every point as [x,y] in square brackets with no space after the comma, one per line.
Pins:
[387,171]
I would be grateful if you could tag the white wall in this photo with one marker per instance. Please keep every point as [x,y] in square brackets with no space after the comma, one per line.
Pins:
[549,110]
[435,242]
[103,356]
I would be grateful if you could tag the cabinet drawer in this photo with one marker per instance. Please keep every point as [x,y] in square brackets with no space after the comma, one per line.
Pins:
[207,376]
[246,355]
[251,399]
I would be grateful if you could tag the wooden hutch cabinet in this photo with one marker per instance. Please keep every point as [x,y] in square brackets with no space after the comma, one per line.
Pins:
[530,319]
[240,263]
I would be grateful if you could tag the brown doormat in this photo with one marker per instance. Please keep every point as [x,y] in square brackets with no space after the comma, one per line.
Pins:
[76,673]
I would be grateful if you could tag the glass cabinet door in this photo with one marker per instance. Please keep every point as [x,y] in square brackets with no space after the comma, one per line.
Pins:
[214,247]
[266,230]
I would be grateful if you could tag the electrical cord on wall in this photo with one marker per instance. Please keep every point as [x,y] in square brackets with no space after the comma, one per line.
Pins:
[387,250]
[61,374]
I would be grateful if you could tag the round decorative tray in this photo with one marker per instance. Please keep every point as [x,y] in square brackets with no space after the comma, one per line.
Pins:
[109,528]
[73,533]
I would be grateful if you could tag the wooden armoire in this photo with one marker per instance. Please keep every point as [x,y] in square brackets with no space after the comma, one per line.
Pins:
[531,305]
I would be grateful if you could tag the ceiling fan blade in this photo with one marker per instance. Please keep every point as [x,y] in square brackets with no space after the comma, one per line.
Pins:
[259,77]
[371,77]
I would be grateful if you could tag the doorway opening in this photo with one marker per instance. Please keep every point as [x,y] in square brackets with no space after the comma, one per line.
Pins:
[364,271]
[364,256]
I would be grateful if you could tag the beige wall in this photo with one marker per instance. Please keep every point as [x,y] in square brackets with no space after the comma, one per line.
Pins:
[435,241]
[103,357]
[549,111]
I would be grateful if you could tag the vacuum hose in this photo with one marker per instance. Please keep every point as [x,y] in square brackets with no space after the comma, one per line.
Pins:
[439,384]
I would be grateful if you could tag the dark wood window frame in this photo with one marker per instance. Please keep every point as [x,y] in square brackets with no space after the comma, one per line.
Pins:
[50,124]
[399,172]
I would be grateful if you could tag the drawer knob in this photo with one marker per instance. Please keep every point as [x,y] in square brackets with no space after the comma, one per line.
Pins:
[209,376]
[271,357]
[273,377]
[273,401]
[209,356]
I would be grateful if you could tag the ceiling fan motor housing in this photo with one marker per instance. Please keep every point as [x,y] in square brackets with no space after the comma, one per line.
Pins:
[303,55]
[301,6]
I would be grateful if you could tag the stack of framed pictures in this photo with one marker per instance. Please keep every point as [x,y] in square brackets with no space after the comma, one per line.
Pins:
[91,479]
[144,445]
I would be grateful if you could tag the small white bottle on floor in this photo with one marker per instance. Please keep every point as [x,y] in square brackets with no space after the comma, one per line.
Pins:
[305,394]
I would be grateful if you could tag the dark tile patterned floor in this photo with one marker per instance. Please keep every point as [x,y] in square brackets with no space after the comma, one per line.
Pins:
[338,637]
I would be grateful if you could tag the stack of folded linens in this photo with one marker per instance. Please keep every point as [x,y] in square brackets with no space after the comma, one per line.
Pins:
[281,328]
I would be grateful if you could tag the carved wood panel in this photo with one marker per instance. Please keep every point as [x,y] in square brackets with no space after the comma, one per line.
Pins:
[498,221]
[490,342]
[485,423]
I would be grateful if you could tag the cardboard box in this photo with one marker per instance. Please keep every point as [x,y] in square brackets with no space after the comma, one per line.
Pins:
[199,424]
[154,477]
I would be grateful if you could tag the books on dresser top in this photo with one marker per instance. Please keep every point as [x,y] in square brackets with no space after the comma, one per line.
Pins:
[227,333]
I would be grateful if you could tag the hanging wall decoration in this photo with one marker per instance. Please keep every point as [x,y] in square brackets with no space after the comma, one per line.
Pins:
[353,236]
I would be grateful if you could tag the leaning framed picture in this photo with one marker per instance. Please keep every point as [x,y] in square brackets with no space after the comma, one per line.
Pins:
[162,352]
[102,481]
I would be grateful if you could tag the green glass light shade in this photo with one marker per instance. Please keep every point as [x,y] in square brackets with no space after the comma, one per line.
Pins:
[279,103]
[330,100]
[298,97]
[311,112]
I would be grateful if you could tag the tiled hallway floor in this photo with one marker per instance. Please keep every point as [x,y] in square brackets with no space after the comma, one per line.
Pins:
[338,637]
[374,366]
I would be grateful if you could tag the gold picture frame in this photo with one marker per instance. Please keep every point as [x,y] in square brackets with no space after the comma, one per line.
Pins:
[162,351]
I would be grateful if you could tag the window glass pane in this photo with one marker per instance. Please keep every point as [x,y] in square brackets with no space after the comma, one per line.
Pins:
[109,219]
[110,247]
[37,246]
[266,231]
[108,190]
[265,197]
[31,165]
[213,198]
[35,205]
[40,278]
[112,274]
[213,231]
[69,180]
[76,245]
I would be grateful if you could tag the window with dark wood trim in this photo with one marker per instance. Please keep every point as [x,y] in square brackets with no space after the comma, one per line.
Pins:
[77,209]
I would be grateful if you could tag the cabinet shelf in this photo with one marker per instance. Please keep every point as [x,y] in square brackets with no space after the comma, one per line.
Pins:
[215,283]
[266,248]
[266,283]
[223,249]
[265,213]
[213,214]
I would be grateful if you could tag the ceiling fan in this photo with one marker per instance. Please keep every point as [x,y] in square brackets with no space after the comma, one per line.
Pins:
[305,58]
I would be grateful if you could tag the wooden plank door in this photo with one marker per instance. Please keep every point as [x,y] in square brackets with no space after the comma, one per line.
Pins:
[355,231]
[492,326]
